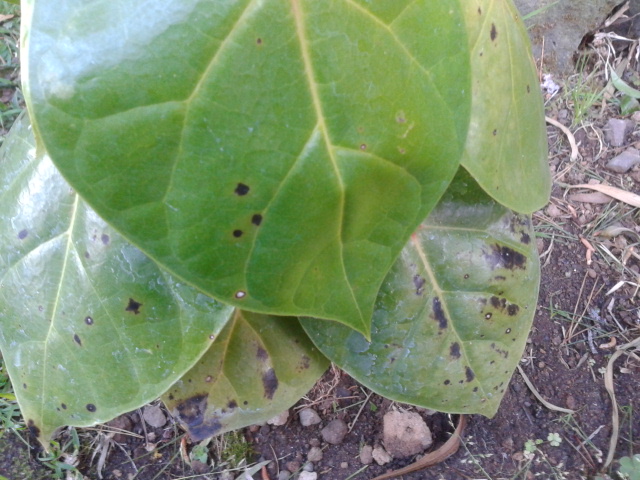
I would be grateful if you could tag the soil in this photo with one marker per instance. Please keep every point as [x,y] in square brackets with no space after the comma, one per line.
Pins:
[568,350]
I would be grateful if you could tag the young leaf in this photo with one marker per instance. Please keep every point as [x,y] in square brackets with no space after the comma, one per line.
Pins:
[506,148]
[89,327]
[276,154]
[257,367]
[453,314]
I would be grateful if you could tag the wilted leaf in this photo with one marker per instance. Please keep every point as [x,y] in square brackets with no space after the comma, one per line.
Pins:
[506,148]
[258,367]
[89,327]
[453,314]
[276,153]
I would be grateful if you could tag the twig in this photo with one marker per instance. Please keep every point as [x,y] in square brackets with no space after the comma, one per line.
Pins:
[366,400]
[535,392]
[575,154]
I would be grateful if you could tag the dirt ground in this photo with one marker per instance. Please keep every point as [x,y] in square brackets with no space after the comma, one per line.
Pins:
[584,312]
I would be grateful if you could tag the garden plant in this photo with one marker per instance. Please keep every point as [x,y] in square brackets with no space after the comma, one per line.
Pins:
[210,200]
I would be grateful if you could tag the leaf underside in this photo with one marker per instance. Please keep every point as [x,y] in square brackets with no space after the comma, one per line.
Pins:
[258,367]
[506,148]
[89,327]
[275,153]
[454,313]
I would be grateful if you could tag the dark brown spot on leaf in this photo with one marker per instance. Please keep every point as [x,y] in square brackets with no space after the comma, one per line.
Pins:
[64,406]
[500,278]
[258,41]
[22,234]
[232,404]
[447,382]
[505,257]
[419,282]
[88,320]
[191,413]
[466,276]
[105,239]
[242,189]
[469,374]
[76,339]
[475,389]
[91,407]
[256,219]
[24,385]
[508,330]
[513,309]
[133,306]
[438,314]
[237,233]
[494,32]
[528,89]
[270,383]
[33,429]
[454,350]
[479,11]
[495,132]
[525,238]
[262,355]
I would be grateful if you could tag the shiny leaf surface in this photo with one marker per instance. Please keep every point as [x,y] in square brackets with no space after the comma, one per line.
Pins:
[258,367]
[453,315]
[506,149]
[274,153]
[89,327]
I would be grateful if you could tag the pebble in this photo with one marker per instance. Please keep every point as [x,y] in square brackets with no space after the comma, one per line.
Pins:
[592,273]
[625,161]
[344,465]
[308,417]
[284,475]
[123,422]
[307,467]
[405,434]
[571,402]
[314,454]
[293,466]
[616,130]
[154,416]
[314,442]
[366,455]
[334,432]
[279,419]
[308,476]
[380,455]
[554,211]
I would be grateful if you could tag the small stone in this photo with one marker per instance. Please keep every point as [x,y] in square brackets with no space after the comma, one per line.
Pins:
[592,273]
[344,465]
[199,467]
[307,467]
[308,417]
[334,432]
[308,476]
[540,245]
[625,161]
[616,130]
[284,475]
[571,402]
[226,475]
[123,422]
[314,442]
[366,455]
[553,211]
[405,434]
[293,466]
[380,455]
[154,416]
[279,419]
[315,454]
[507,443]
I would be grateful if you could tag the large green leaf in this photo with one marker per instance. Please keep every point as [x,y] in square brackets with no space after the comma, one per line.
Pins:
[453,315]
[257,367]
[277,154]
[89,326]
[506,148]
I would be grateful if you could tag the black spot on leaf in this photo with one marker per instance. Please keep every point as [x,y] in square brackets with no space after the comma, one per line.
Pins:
[64,406]
[475,389]
[242,189]
[133,306]
[262,355]
[447,382]
[438,313]
[258,41]
[488,316]
[76,339]
[454,350]
[469,374]
[508,330]
[494,32]
[22,234]
[513,309]
[105,239]
[88,320]
[419,282]
[191,411]
[269,383]
[245,403]
[495,132]
[33,429]
[479,11]
[525,238]
[256,219]
[505,257]
[87,255]
[466,276]
[24,385]
[500,278]
[232,404]
[528,89]
[237,233]
[91,407]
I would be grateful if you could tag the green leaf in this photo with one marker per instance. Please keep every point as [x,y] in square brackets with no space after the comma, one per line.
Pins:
[453,315]
[258,367]
[275,154]
[89,327]
[506,149]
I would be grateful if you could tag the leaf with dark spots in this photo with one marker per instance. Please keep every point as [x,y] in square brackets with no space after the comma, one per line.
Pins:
[241,189]
[267,361]
[494,32]
[76,339]
[237,233]
[256,219]
[525,238]
[105,239]
[91,407]
[22,234]
[454,350]
[270,383]
[133,306]
[191,410]
[502,256]
[513,309]
[33,429]
[88,320]
[438,314]
[64,406]
[469,375]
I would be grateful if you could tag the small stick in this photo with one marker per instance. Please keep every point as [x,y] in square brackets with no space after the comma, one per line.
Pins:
[575,154]
[550,406]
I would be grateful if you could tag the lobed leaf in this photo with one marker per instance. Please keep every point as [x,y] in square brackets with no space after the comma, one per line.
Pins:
[276,154]
[454,313]
[258,367]
[89,327]
[506,148]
